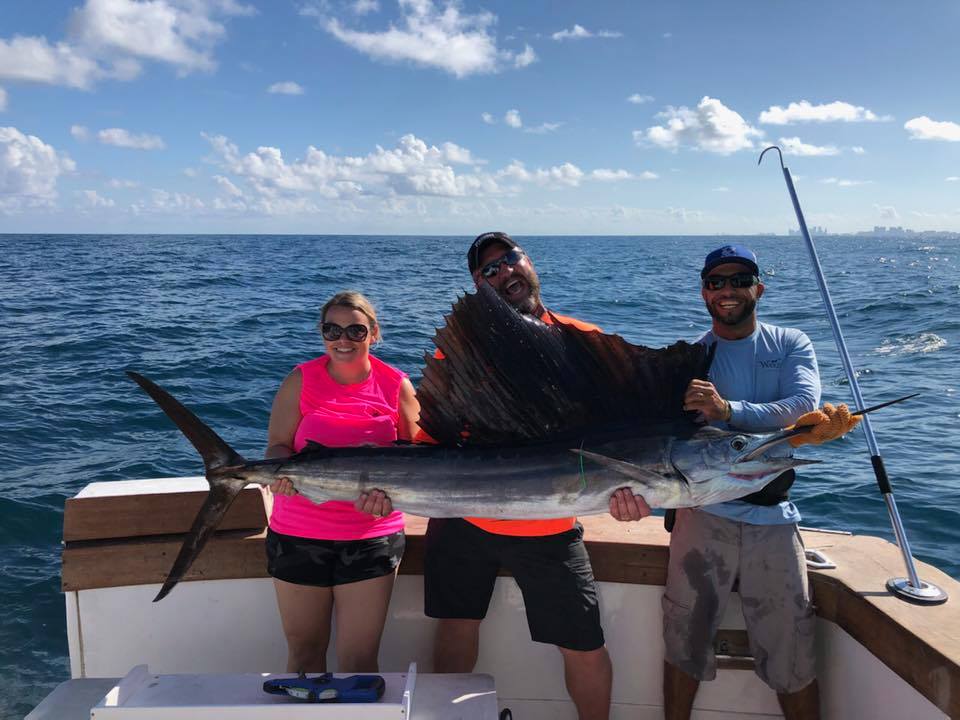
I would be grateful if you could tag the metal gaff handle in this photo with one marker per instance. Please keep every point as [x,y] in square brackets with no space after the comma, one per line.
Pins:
[912,587]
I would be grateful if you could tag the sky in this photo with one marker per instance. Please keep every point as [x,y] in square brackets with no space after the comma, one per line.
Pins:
[427,117]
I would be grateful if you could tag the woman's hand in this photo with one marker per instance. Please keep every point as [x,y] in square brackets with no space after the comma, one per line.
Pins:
[283,486]
[374,503]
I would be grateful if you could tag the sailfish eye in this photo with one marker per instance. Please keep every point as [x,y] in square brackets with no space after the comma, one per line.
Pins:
[739,443]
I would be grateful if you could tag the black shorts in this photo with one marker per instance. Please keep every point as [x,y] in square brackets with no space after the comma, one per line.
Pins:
[553,572]
[325,563]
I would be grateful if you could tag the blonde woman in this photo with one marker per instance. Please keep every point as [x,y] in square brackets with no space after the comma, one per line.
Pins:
[337,554]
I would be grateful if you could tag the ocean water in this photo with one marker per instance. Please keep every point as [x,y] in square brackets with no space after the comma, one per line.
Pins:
[219,321]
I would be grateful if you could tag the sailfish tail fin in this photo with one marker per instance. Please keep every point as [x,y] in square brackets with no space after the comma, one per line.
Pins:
[214,450]
[218,461]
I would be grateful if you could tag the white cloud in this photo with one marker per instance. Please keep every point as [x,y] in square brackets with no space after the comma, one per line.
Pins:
[488,118]
[857,150]
[108,38]
[544,128]
[179,32]
[91,199]
[527,57]
[364,7]
[458,43]
[80,132]
[29,170]
[118,183]
[227,187]
[638,99]
[721,188]
[605,175]
[125,139]
[794,146]
[566,174]
[388,181]
[164,201]
[3,99]
[412,168]
[952,178]
[923,128]
[683,215]
[711,126]
[512,118]
[845,183]
[33,59]
[803,111]
[456,154]
[578,32]
[887,212]
[287,87]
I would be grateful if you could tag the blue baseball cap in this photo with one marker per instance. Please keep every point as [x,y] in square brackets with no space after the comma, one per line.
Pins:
[730,254]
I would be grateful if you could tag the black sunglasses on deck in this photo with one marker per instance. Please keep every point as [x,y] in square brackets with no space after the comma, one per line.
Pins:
[511,258]
[355,333]
[737,281]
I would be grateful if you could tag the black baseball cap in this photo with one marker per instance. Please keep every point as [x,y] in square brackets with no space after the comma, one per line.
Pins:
[481,242]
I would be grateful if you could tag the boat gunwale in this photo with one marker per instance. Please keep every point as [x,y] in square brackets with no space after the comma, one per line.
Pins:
[131,539]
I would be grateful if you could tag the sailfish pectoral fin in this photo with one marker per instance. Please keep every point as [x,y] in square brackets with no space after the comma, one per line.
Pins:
[223,492]
[618,466]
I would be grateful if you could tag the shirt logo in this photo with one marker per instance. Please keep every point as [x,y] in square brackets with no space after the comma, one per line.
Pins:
[770,364]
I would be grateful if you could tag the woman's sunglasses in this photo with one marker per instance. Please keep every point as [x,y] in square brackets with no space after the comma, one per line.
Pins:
[355,333]
[737,281]
[511,258]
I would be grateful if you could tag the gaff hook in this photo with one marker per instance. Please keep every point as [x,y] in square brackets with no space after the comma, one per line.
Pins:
[772,147]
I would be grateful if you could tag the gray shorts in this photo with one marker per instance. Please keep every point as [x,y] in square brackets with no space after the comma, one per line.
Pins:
[707,553]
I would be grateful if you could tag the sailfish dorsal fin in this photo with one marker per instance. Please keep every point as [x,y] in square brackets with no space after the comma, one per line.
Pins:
[506,377]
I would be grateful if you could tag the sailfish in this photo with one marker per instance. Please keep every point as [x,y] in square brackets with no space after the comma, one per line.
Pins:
[531,420]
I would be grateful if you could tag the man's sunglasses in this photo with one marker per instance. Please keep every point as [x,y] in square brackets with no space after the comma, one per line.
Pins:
[332,331]
[511,258]
[737,281]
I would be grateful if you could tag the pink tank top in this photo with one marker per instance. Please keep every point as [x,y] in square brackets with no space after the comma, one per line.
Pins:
[338,415]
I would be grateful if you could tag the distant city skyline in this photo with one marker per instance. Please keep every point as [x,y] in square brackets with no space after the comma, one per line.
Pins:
[423,117]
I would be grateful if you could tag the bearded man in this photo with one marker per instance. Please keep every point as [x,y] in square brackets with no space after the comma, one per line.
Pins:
[547,558]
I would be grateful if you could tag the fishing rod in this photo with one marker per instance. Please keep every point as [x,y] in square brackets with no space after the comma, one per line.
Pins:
[911,587]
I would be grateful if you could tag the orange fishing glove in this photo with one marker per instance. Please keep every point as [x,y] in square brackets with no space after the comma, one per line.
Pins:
[828,423]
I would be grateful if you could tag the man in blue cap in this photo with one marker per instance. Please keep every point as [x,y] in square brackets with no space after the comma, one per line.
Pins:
[763,378]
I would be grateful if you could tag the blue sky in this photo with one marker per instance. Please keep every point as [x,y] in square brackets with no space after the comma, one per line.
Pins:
[420,117]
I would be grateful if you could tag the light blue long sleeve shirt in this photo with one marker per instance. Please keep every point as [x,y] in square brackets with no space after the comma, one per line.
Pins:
[770,379]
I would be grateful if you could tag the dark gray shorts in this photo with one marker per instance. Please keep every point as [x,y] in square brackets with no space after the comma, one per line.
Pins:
[553,572]
[707,553]
[325,563]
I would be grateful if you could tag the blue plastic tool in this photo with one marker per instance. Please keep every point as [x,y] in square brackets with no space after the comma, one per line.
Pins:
[327,688]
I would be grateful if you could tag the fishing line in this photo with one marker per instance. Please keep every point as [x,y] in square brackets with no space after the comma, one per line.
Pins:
[583,476]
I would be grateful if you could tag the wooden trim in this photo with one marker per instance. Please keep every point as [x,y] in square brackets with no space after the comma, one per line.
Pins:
[921,644]
[128,516]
